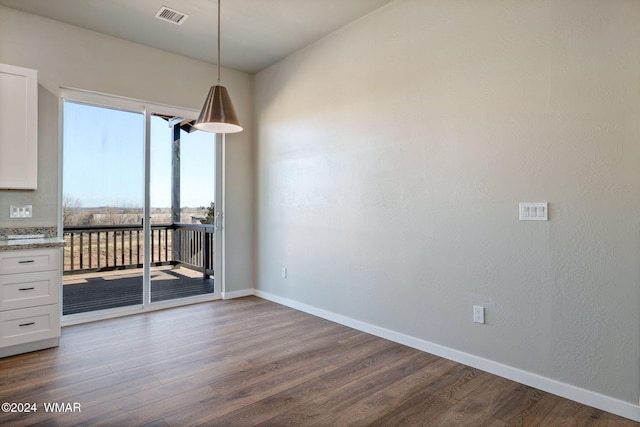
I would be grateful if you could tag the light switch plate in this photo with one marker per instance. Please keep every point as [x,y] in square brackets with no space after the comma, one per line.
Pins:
[534,211]
[21,211]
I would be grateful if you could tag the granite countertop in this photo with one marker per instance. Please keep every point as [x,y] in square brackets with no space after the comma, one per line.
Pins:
[34,238]
[18,244]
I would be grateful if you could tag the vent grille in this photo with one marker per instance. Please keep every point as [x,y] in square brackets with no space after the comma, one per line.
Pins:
[171,15]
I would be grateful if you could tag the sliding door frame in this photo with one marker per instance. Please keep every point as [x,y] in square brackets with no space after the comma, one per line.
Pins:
[147,109]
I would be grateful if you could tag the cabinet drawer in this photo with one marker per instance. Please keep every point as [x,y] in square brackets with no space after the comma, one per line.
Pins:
[29,289]
[28,261]
[29,324]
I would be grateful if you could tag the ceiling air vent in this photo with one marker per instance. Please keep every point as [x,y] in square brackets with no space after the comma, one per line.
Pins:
[171,15]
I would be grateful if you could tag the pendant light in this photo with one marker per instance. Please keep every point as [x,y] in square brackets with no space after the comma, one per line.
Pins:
[218,114]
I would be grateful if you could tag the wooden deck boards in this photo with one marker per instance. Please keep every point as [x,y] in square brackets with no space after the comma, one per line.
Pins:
[100,291]
[248,362]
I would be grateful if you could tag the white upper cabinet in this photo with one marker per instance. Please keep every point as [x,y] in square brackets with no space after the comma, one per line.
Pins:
[18,128]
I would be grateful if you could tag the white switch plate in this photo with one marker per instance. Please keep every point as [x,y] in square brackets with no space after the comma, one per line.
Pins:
[534,211]
[21,211]
[284,272]
[478,314]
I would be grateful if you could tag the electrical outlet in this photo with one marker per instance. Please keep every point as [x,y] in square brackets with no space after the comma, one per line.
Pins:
[478,314]
[284,272]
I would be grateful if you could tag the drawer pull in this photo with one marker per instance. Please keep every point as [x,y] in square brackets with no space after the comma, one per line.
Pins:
[27,324]
[27,261]
[26,289]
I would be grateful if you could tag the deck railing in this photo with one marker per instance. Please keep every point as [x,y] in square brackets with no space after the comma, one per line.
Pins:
[117,247]
[194,246]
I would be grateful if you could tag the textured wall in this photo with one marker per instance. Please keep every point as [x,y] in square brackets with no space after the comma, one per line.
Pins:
[391,157]
[68,56]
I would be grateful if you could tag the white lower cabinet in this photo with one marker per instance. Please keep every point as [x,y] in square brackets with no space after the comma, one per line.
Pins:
[29,289]
[29,324]
[29,300]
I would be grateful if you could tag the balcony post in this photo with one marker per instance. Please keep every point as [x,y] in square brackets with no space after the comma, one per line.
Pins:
[175,175]
[175,188]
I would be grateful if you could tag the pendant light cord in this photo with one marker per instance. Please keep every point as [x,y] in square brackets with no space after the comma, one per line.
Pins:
[218,41]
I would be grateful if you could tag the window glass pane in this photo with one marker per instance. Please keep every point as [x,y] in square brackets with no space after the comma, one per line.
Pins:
[103,186]
[197,176]
[182,190]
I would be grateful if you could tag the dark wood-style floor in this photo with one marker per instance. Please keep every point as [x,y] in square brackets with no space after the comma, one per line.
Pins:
[250,362]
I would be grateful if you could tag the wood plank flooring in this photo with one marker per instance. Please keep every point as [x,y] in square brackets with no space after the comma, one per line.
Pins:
[250,362]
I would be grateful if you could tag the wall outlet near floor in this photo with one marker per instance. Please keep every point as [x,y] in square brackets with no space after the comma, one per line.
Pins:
[284,272]
[21,211]
[478,314]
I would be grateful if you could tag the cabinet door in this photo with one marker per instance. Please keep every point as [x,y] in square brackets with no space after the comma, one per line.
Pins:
[18,127]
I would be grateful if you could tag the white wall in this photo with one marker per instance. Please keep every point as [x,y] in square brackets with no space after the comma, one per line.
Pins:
[391,157]
[68,56]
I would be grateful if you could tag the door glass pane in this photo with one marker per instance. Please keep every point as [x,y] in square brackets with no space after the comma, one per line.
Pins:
[182,183]
[103,186]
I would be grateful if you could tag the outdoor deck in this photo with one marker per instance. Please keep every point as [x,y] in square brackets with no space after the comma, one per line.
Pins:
[103,290]
[103,264]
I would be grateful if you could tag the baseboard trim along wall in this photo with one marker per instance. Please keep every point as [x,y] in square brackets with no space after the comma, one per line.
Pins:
[237,294]
[586,397]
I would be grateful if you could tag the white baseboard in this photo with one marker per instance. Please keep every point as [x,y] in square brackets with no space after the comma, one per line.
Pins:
[238,294]
[586,397]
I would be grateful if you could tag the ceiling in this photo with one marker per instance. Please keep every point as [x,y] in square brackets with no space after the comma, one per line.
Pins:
[255,33]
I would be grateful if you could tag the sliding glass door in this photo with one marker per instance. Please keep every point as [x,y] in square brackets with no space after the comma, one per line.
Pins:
[138,207]
[182,200]
[103,206]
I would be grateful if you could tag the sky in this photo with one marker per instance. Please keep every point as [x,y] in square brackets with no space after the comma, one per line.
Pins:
[103,160]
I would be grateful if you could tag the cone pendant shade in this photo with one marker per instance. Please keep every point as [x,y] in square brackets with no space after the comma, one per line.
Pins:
[218,114]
